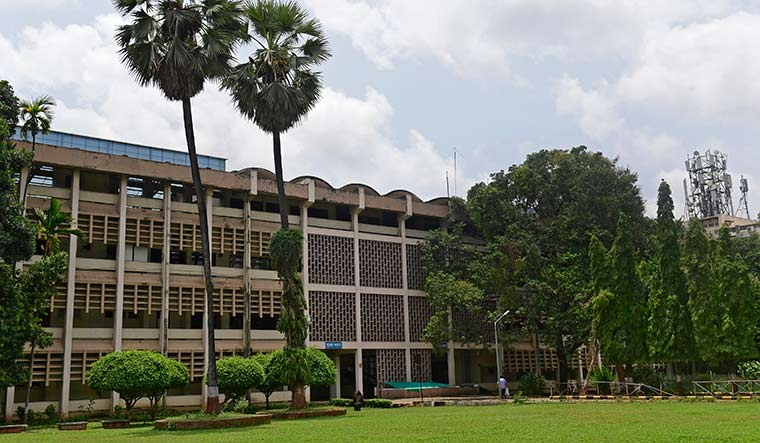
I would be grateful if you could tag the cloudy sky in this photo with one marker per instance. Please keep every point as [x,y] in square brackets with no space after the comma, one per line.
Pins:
[647,81]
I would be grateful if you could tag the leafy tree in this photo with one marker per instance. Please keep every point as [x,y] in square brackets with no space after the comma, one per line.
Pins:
[24,293]
[444,292]
[670,332]
[272,379]
[285,249]
[137,374]
[554,202]
[176,45]
[277,86]
[449,265]
[697,263]
[620,308]
[53,224]
[309,365]
[237,376]
[9,106]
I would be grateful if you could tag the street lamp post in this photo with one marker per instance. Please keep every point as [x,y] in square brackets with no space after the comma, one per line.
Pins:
[496,342]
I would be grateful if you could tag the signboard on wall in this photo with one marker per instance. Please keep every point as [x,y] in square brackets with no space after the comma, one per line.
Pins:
[333,345]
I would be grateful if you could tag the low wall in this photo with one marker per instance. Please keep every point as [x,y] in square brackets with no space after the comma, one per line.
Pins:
[449,391]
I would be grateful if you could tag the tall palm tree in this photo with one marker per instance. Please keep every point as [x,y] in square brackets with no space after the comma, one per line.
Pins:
[53,224]
[176,45]
[36,117]
[276,87]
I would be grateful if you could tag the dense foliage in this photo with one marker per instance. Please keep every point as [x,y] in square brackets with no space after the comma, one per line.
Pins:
[24,293]
[272,379]
[135,375]
[237,376]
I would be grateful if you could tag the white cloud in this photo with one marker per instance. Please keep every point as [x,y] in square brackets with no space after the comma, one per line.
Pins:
[344,139]
[595,110]
[481,39]
[709,69]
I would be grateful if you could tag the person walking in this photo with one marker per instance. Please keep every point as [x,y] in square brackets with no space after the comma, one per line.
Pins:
[503,389]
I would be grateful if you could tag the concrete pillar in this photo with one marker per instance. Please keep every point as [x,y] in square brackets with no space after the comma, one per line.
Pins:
[209,210]
[23,178]
[405,281]
[335,388]
[118,316]
[166,271]
[10,394]
[68,329]
[247,277]
[305,259]
[358,297]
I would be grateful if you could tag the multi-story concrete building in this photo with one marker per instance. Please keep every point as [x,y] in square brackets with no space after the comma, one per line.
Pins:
[137,283]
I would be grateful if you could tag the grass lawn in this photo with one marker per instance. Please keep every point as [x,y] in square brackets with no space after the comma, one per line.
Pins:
[554,422]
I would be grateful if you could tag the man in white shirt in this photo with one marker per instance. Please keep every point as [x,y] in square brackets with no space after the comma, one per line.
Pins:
[503,389]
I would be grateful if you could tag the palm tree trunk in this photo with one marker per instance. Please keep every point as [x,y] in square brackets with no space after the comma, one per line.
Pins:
[25,189]
[280,180]
[212,402]
[29,384]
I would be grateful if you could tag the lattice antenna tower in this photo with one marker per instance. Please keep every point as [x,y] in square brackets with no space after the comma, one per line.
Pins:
[743,209]
[708,190]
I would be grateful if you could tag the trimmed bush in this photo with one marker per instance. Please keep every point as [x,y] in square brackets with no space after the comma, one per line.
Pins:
[311,365]
[237,376]
[272,379]
[377,403]
[342,402]
[137,374]
[532,384]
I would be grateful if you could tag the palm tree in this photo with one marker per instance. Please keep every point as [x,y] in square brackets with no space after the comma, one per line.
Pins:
[176,45]
[277,87]
[36,117]
[53,224]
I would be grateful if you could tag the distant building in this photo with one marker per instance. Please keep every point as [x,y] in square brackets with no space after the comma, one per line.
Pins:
[740,227]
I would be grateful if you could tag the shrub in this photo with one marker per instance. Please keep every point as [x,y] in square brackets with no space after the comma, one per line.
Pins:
[272,379]
[749,370]
[310,365]
[342,402]
[377,403]
[518,398]
[532,384]
[135,375]
[603,374]
[236,376]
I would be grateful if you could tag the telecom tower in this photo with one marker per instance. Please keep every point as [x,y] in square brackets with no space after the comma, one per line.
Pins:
[708,189]
[743,209]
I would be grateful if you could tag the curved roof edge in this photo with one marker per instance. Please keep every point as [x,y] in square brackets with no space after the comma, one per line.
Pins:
[352,186]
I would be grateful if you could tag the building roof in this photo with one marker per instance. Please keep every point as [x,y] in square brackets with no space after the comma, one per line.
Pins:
[104,146]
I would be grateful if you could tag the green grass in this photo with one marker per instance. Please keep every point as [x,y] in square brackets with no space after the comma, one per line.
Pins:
[554,422]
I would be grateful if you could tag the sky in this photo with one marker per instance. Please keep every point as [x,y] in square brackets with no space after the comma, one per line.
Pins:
[647,82]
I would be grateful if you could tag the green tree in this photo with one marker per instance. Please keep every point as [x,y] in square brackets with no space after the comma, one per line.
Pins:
[309,365]
[9,106]
[272,379]
[285,249]
[555,201]
[277,86]
[444,292]
[54,224]
[670,332]
[697,263]
[137,374]
[735,293]
[36,117]
[24,293]
[176,45]
[620,309]
[237,376]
